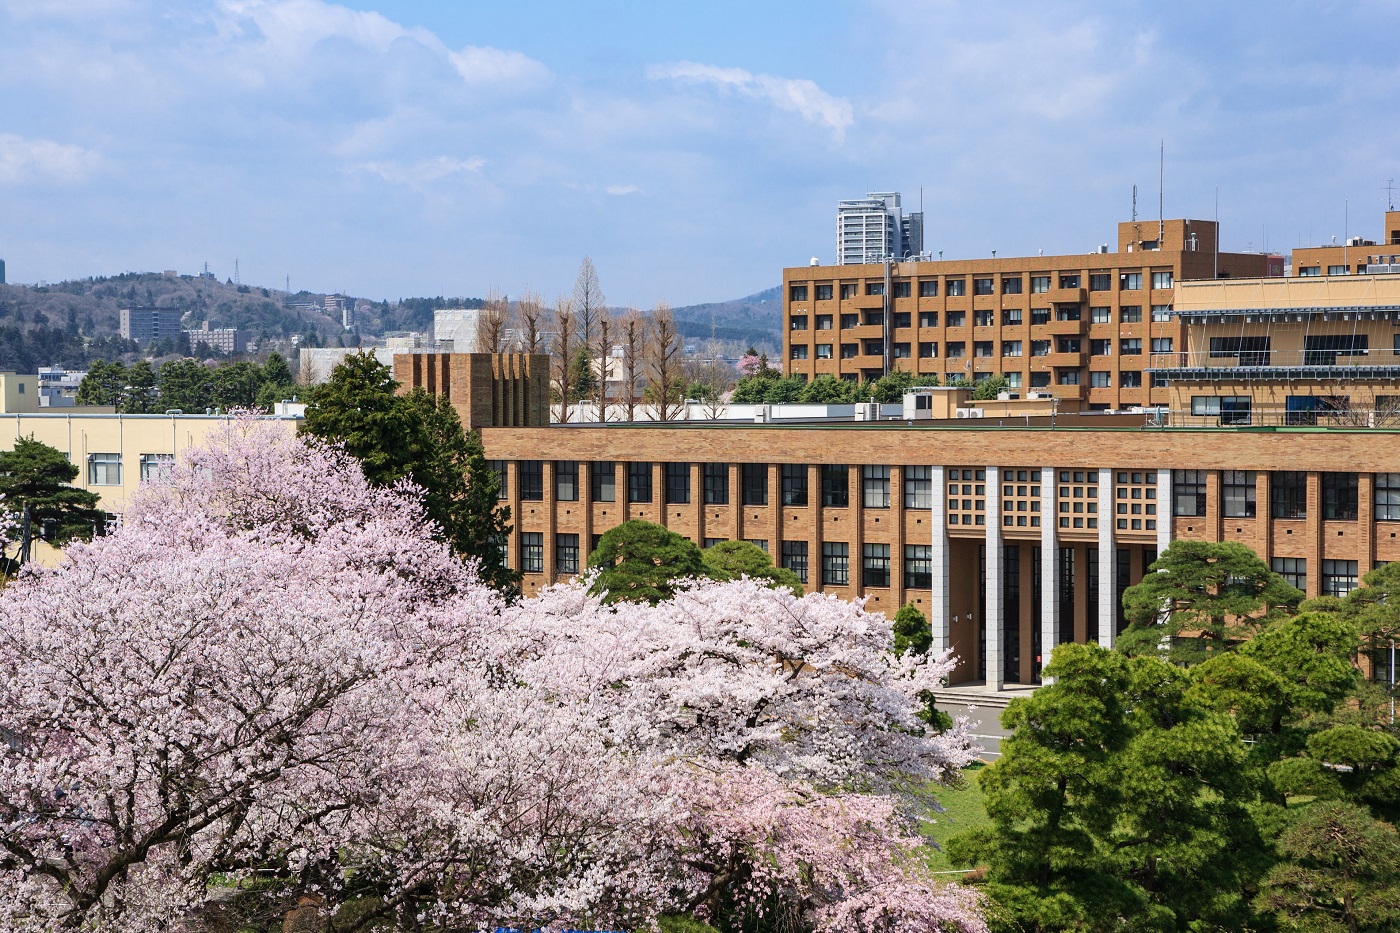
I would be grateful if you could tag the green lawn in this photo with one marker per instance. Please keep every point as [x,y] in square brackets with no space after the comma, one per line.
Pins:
[963,810]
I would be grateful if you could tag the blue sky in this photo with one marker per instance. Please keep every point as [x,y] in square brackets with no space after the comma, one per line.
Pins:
[390,149]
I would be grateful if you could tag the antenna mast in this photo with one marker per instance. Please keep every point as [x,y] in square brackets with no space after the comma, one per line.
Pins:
[1390,194]
[1161,187]
[236,279]
[1134,203]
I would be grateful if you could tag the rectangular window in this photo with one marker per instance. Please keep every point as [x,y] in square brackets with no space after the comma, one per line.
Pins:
[1324,349]
[1337,270]
[716,483]
[794,484]
[836,558]
[982,348]
[1098,347]
[1161,280]
[753,478]
[566,554]
[1231,409]
[566,480]
[799,322]
[1040,380]
[1067,312]
[531,552]
[823,293]
[1130,314]
[918,566]
[956,349]
[1067,377]
[1100,315]
[901,319]
[982,286]
[1288,494]
[1161,314]
[848,290]
[875,486]
[1130,281]
[797,293]
[928,318]
[532,480]
[1011,284]
[604,481]
[1189,493]
[1130,346]
[677,484]
[1040,315]
[835,486]
[823,351]
[1067,345]
[1161,344]
[760,543]
[1339,497]
[873,317]
[1250,351]
[850,351]
[1388,497]
[795,558]
[1294,571]
[901,290]
[918,487]
[1237,493]
[1069,280]
[1099,380]
[983,318]
[850,320]
[1011,348]
[798,351]
[899,351]
[875,565]
[1040,348]
[928,288]
[639,482]
[957,288]
[1338,577]
[824,322]
[499,468]
[874,347]
[957,318]
[928,350]
[1100,281]
[1129,379]
[1011,317]
[1040,284]
[154,466]
[875,289]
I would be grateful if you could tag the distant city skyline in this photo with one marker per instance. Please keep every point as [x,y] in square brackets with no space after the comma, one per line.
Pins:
[392,149]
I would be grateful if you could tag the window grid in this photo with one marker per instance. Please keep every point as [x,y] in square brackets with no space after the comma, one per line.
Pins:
[1135,500]
[795,558]
[835,563]
[794,481]
[531,552]
[1338,577]
[918,566]
[875,487]
[1294,570]
[566,553]
[1189,493]
[918,487]
[875,565]
[1020,498]
[967,491]
[716,479]
[1077,499]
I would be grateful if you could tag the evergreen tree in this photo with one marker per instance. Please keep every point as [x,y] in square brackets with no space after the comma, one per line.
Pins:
[39,478]
[275,370]
[140,395]
[639,562]
[186,385]
[730,560]
[104,384]
[912,631]
[236,385]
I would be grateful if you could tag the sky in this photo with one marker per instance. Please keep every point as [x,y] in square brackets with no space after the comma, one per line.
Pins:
[392,149]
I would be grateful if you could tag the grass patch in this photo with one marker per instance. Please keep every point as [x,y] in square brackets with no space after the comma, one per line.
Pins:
[962,809]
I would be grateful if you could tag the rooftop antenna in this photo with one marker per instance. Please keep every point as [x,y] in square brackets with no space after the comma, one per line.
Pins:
[1217,231]
[1161,189]
[236,279]
[1134,203]
[289,283]
[1389,194]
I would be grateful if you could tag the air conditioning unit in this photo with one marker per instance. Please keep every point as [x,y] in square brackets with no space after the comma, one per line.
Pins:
[969,413]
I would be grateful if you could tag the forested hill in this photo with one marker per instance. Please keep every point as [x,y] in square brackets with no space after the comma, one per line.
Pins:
[756,318]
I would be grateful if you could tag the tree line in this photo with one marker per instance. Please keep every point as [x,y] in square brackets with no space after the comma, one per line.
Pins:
[762,384]
[187,385]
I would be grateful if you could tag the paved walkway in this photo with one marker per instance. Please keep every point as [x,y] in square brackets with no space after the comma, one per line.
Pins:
[982,705]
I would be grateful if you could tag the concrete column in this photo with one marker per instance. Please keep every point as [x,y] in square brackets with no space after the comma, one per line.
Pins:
[938,597]
[1049,567]
[1108,562]
[1164,510]
[996,674]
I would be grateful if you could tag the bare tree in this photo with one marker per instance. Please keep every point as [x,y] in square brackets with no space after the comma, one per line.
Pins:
[601,352]
[565,349]
[531,310]
[493,323]
[665,381]
[589,302]
[709,378]
[633,332]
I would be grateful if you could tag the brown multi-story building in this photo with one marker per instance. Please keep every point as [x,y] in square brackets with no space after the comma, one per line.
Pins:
[1356,255]
[1078,326]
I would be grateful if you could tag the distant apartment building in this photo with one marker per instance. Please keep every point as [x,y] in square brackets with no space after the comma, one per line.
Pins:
[147,324]
[1078,326]
[226,340]
[875,228]
[1355,255]
[2,272]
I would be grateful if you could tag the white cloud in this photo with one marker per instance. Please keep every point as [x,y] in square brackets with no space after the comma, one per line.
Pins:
[424,172]
[794,95]
[26,161]
[620,190]
[485,65]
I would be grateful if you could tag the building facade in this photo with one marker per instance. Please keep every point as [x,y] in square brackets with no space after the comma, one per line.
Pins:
[1077,326]
[875,228]
[1354,256]
[146,324]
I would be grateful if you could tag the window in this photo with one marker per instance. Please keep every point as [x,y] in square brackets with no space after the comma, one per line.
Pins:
[566,553]
[957,318]
[901,289]
[983,318]
[874,347]
[499,468]
[1011,316]
[760,543]
[918,566]
[875,487]
[716,479]
[928,349]
[1387,497]
[901,319]
[1099,380]
[1099,347]
[1161,280]
[1237,493]
[531,552]
[928,318]
[835,486]
[1067,345]
[875,565]
[1040,380]
[1130,346]
[848,290]
[604,481]
[918,487]
[798,322]
[711,542]
[1011,285]
[874,317]
[1337,270]
[753,480]
[677,484]
[875,289]
[1310,270]
[1100,315]
[1161,344]
[1294,571]
[639,482]
[956,349]
[798,351]
[1067,313]
[1130,379]
[1011,348]
[1130,281]
[795,558]
[1040,348]
[1067,377]
[1130,314]
[1324,350]
[1161,314]
[1013,380]
[1339,497]
[154,466]
[1069,281]
[836,564]
[823,292]
[1249,351]
[794,484]
[900,351]
[1100,281]
[928,288]
[1230,409]
[850,320]
[823,351]
[957,288]
[981,286]
[1040,284]
[797,293]
[1189,493]
[1040,315]
[532,480]
[982,348]
[1338,577]
[850,351]
[1288,494]
[566,480]
[824,322]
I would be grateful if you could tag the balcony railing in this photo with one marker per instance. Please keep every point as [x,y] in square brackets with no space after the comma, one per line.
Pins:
[1277,359]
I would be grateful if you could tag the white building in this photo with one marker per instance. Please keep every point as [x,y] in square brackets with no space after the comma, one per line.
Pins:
[875,228]
[456,330]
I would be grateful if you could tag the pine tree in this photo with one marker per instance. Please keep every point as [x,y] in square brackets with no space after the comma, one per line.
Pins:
[37,477]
